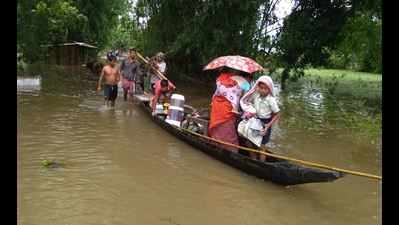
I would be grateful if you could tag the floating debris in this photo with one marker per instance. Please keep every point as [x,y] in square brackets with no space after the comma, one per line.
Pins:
[51,164]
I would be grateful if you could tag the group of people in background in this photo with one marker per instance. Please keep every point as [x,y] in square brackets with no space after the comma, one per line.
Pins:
[133,74]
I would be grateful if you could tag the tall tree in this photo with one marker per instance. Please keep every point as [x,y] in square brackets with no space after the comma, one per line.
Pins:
[316,28]
[312,26]
[194,32]
[360,45]
[41,22]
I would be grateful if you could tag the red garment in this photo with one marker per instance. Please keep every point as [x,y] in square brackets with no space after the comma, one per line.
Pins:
[226,131]
[158,93]
[171,87]
[225,79]
[221,108]
[128,85]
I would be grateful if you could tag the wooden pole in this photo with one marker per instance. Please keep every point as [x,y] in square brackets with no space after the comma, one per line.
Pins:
[157,72]
[308,163]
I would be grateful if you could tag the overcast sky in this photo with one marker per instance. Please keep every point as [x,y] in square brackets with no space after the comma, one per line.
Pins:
[283,9]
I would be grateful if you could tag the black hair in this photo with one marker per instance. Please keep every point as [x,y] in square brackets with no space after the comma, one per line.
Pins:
[111,56]
[226,69]
[245,74]
[164,83]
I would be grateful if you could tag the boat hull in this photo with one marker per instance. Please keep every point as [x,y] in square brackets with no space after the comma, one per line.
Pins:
[279,171]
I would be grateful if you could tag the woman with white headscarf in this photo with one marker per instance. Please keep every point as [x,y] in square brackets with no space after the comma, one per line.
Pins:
[260,111]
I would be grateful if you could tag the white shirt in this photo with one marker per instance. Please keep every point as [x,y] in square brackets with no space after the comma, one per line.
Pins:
[162,67]
[264,106]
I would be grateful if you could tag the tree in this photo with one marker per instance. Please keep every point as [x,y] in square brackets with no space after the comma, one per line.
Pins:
[316,29]
[308,30]
[43,22]
[360,45]
[126,34]
[102,18]
[194,32]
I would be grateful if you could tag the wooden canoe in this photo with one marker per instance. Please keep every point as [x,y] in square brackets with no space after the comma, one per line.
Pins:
[279,171]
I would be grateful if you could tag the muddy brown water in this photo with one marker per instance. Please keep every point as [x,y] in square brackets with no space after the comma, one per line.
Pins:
[120,168]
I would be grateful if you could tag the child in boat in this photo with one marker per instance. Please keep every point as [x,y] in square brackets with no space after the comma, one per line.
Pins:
[260,103]
[163,92]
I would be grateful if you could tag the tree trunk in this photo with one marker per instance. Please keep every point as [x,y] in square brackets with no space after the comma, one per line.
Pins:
[284,77]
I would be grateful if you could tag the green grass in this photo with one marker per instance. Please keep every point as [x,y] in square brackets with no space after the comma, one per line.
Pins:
[344,75]
[359,85]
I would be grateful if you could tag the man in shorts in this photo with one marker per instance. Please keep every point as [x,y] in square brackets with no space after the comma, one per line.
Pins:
[129,70]
[111,76]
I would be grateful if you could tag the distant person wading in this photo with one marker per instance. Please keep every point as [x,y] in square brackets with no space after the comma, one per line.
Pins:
[111,76]
[130,69]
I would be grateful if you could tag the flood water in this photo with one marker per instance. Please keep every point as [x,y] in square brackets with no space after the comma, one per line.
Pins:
[120,168]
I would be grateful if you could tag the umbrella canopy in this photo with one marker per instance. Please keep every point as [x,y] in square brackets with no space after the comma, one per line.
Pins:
[236,62]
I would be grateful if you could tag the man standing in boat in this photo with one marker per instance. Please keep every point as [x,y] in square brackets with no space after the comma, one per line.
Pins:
[112,77]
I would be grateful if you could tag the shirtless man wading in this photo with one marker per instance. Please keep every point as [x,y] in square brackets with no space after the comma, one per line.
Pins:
[112,77]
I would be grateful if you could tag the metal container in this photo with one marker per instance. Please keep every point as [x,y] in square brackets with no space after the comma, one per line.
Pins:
[176,110]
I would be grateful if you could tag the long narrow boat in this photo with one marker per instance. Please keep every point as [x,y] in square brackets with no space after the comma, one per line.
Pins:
[279,171]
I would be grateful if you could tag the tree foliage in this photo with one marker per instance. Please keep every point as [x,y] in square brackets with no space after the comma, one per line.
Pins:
[42,22]
[194,32]
[361,38]
[309,29]
[338,32]
[127,32]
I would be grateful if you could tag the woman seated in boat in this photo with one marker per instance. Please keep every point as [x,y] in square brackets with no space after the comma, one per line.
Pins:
[163,92]
[260,112]
[230,85]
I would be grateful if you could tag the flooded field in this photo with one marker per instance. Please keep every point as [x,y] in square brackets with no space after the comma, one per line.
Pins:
[120,168]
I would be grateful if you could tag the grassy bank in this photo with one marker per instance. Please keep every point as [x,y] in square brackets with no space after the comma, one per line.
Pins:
[347,75]
[360,85]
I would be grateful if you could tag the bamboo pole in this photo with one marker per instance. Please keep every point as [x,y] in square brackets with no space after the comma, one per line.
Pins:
[308,163]
[157,72]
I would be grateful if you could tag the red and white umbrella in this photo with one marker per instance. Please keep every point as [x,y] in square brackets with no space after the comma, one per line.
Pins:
[236,62]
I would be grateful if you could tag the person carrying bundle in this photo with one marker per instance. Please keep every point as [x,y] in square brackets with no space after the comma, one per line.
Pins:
[260,112]
[157,62]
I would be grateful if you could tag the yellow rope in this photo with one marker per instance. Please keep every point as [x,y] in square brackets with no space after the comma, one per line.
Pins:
[287,158]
